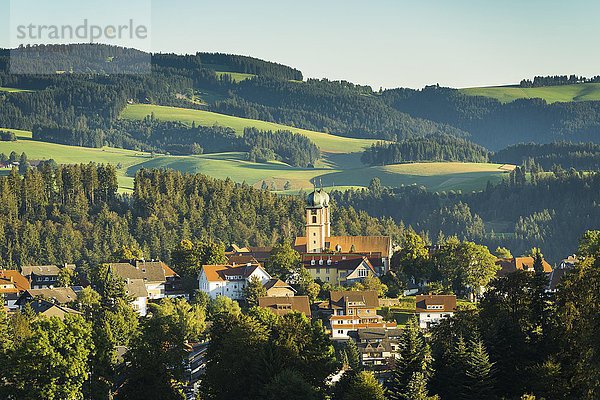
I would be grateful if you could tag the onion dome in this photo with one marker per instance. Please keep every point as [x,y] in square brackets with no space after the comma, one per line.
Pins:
[318,199]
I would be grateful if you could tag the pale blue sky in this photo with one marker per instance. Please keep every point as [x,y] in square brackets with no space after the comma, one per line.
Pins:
[387,43]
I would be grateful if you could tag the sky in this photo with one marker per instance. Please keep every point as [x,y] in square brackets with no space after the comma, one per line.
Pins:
[382,43]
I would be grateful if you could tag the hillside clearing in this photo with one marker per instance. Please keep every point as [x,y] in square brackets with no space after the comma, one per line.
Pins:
[14,90]
[235,76]
[551,94]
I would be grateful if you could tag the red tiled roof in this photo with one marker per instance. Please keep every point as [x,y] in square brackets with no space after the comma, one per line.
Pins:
[216,273]
[361,244]
[20,282]
[509,265]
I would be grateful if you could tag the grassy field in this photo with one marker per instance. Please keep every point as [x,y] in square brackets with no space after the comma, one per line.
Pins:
[13,90]
[337,170]
[62,154]
[434,176]
[326,142]
[235,76]
[552,94]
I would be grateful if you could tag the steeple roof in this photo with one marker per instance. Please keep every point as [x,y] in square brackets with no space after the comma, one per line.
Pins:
[318,199]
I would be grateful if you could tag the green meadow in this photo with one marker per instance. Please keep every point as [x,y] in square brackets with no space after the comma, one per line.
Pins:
[235,76]
[552,94]
[340,166]
[63,154]
[326,142]
[13,90]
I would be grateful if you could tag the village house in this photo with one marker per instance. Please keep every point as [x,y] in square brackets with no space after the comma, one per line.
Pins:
[509,265]
[278,288]
[250,254]
[338,269]
[353,310]
[136,290]
[281,305]
[229,280]
[558,273]
[159,280]
[433,308]
[50,302]
[317,238]
[378,347]
[43,276]
[12,284]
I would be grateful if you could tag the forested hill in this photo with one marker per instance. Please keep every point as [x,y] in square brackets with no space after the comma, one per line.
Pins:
[256,89]
[227,63]
[428,148]
[91,103]
[337,107]
[496,125]
[581,156]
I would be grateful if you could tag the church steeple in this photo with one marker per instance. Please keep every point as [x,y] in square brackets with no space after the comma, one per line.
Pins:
[318,226]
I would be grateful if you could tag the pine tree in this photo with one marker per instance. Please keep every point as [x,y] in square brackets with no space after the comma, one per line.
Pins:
[479,381]
[417,388]
[353,355]
[414,356]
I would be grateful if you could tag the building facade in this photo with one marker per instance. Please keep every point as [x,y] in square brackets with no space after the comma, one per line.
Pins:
[354,310]
[433,308]
[318,241]
[228,280]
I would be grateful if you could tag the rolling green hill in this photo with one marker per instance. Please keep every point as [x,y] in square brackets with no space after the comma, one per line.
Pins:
[62,154]
[552,94]
[342,170]
[326,142]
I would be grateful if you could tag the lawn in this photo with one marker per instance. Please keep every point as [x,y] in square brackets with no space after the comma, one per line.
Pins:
[326,142]
[552,94]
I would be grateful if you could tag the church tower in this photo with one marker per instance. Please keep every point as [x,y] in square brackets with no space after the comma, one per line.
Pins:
[318,226]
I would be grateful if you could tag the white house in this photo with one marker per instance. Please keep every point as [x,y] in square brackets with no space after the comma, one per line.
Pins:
[136,290]
[433,308]
[228,280]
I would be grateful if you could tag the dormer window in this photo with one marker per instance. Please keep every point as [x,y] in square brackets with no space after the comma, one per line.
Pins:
[320,262]
[312,262]
[329,262]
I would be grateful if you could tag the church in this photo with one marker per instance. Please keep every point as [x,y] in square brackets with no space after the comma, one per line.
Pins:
[339,259]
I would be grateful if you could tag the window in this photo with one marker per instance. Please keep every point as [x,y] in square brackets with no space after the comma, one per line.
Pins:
[312,262]
[341,332]
[326,270]
[318,270]
[314,233]
[327,279]
[321,262]
[314,219]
